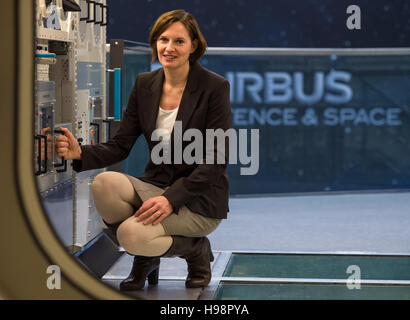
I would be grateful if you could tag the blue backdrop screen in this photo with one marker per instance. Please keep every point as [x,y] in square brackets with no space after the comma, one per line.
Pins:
[325,122]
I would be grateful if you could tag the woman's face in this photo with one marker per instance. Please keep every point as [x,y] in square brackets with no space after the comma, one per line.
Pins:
[174,46]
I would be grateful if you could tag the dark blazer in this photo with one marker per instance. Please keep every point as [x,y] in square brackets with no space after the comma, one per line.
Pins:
[205,104]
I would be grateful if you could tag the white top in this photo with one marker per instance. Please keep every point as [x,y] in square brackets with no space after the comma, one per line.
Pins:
[166,120]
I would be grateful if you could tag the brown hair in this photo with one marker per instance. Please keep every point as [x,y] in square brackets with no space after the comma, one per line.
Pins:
[165,20]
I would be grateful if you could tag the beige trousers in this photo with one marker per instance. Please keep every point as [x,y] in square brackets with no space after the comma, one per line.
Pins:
[118,196]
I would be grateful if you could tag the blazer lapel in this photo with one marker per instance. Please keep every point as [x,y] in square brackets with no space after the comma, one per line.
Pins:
[152,97]
[190,98]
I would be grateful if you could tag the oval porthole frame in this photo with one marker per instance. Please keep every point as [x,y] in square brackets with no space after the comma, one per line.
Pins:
[46,239]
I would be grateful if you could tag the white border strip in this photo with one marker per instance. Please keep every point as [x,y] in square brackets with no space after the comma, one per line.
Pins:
[307,51]
[326,253]
[286,51]
[255,280]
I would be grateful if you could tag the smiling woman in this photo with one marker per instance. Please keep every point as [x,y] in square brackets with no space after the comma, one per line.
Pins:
[176,43]
[174,46]
[185,31]
[170,209]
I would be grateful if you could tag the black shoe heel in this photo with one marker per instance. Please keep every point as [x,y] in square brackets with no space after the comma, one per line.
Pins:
[153,277]
[142,268]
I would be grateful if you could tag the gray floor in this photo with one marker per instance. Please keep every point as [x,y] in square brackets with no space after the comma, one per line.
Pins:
[371,223]
[378,222]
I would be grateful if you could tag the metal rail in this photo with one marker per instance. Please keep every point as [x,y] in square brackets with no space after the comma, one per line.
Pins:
[325,253]
[310,281]
[144,47]
[307,51]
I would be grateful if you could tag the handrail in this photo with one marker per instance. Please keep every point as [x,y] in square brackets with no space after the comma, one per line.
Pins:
[144,47]
[307,51]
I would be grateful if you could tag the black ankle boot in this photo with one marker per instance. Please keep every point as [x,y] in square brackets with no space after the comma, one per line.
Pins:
[142,268]
[198,254]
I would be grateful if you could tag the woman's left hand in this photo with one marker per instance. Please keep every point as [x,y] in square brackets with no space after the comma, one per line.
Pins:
[154,210]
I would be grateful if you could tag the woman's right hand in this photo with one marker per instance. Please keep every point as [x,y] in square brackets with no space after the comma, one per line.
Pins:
[67,146]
